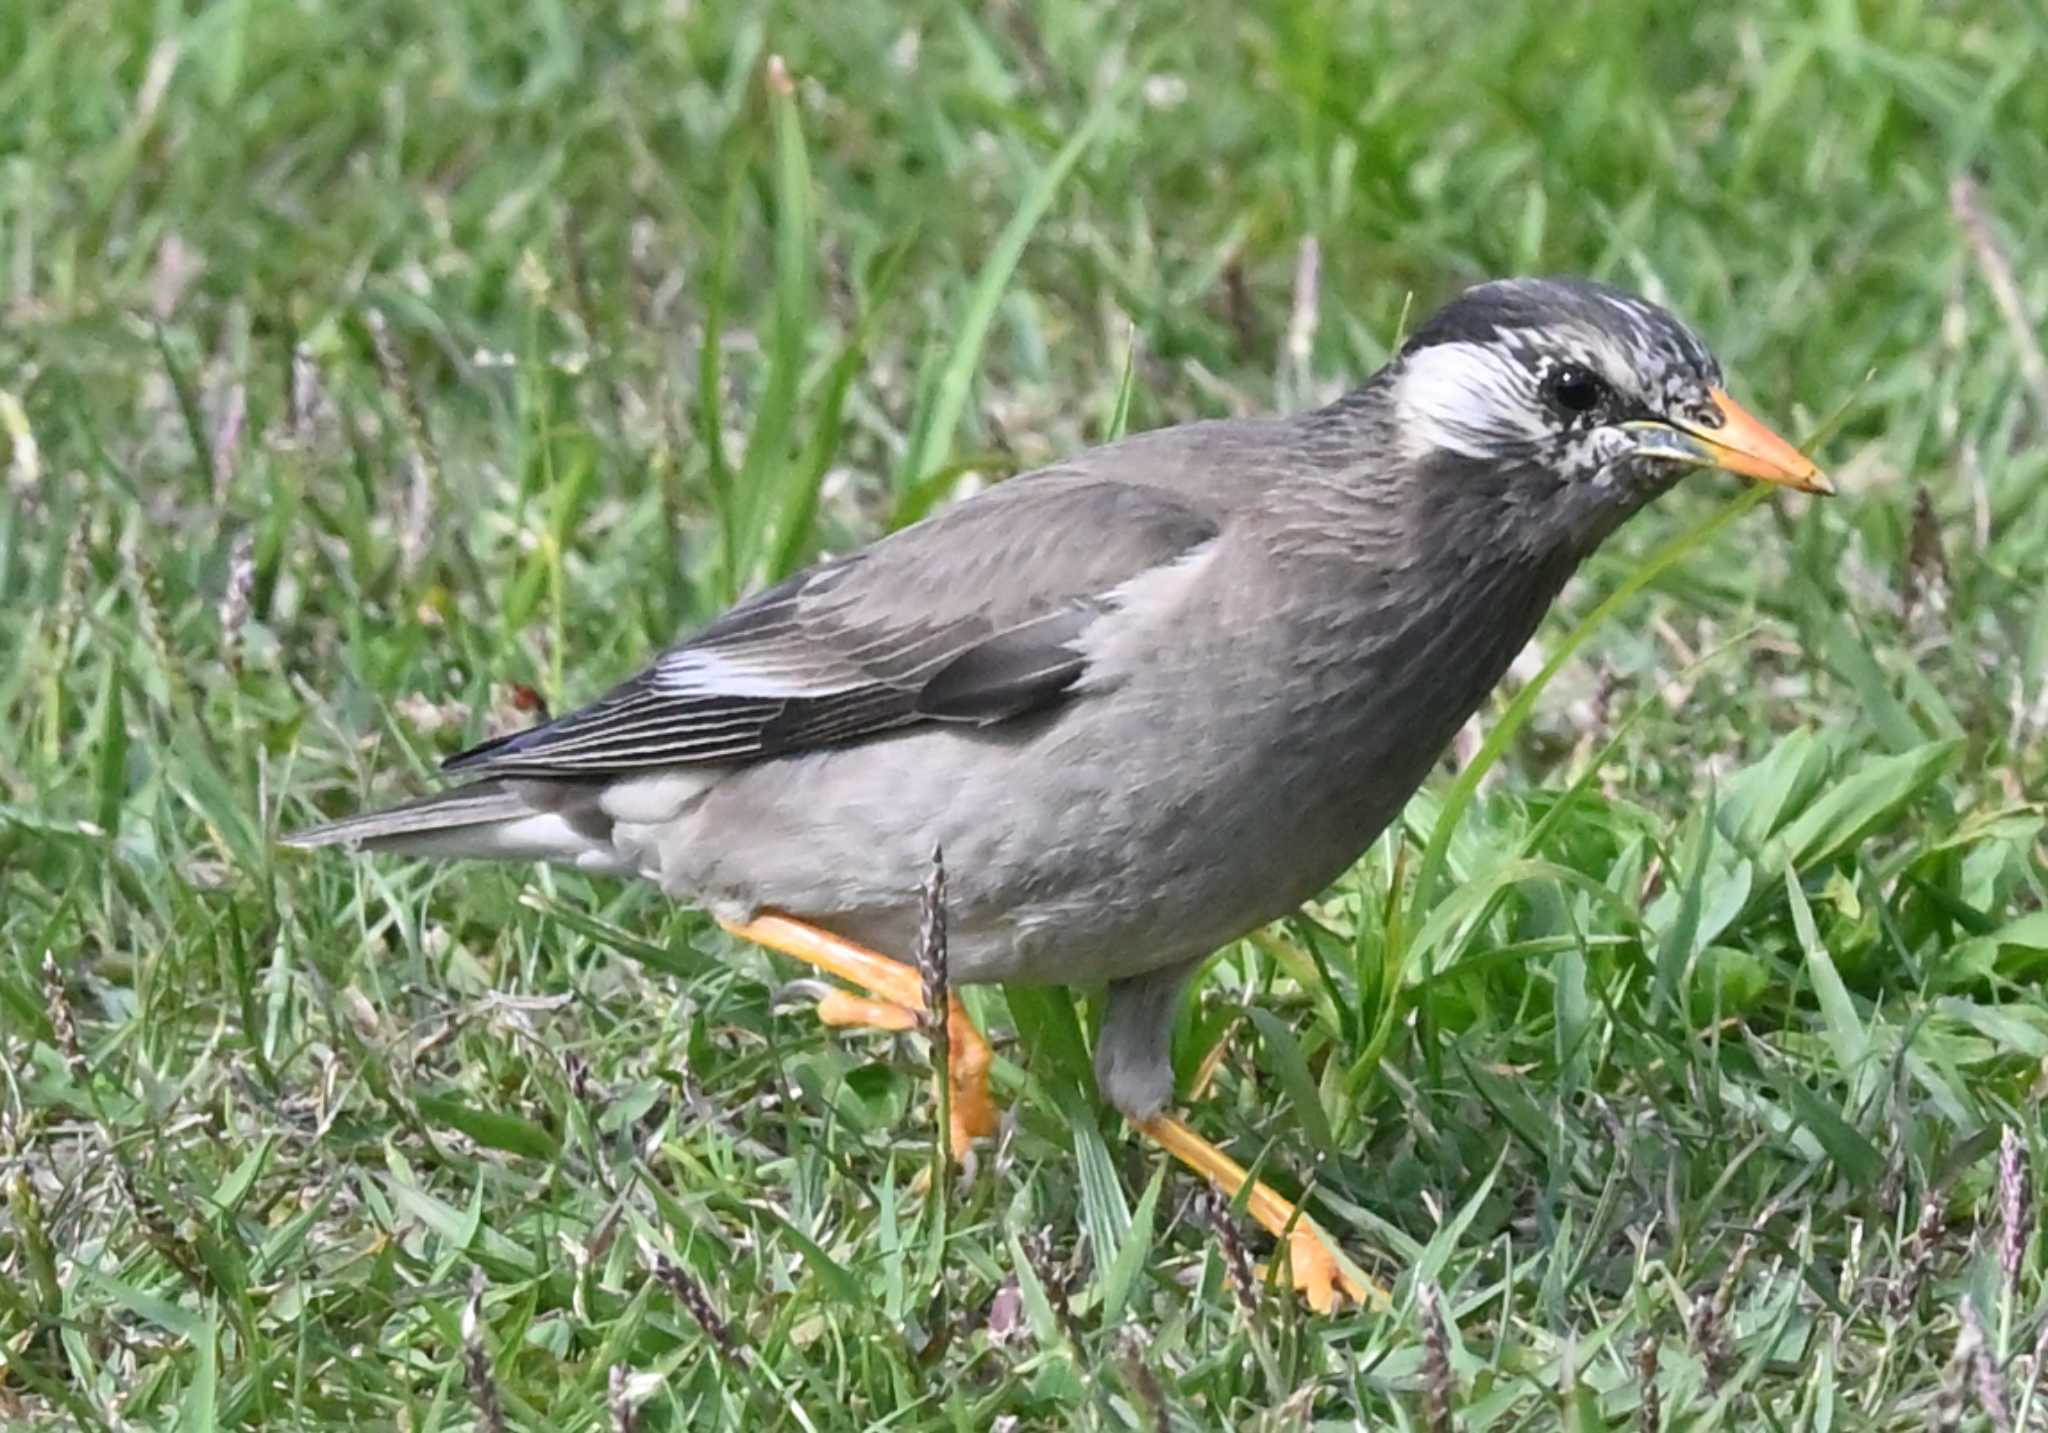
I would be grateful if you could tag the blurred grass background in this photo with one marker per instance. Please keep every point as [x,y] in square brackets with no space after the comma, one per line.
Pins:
[375,374]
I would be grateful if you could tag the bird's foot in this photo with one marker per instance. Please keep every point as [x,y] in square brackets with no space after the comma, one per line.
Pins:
[1319,1272]
[971,1109]
[895,1002]
[1319,1276]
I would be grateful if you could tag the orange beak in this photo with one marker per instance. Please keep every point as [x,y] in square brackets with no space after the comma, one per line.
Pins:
[1740,445]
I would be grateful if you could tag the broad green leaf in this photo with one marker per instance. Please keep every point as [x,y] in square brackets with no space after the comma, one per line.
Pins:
[1727,894]
[1728,981]
[1868,799]
[2016,950]
[2009,1027]
[1291,1066]
[494,1129]
[1845,1030]
[1473,895]
[1753,801]
[1055,1051]
[1855,1155]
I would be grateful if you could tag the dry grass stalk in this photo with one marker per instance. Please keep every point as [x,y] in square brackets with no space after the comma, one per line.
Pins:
[2016,1208]
[234,601]
[476,1362]
[1439,1387]
[1237,1259]
[690,1294]
[1966,202]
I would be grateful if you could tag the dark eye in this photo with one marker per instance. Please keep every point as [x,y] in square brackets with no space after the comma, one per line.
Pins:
[1573,389]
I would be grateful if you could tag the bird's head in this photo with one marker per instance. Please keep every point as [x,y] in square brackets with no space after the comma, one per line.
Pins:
[1581,401]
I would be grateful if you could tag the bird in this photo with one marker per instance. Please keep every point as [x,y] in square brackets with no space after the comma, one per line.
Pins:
[1146,700]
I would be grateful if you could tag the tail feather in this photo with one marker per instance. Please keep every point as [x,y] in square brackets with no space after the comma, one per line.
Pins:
[486,819]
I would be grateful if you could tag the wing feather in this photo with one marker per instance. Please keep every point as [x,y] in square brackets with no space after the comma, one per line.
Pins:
[973,615]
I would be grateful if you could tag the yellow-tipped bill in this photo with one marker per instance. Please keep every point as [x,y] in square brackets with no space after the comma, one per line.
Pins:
[1740,445]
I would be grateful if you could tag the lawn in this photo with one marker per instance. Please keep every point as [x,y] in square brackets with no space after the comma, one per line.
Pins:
[375,374]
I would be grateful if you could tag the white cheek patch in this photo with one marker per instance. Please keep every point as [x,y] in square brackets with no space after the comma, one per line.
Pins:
[1472,399]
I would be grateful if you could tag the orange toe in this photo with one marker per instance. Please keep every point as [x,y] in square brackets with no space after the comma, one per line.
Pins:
[1312,1258]
[967,1065]
[844,1009]
[1318,1277]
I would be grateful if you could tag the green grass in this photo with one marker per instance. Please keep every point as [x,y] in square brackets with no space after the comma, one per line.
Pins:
[1679,1085]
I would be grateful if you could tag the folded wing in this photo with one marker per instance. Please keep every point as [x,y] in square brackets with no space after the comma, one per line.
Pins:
[972,616]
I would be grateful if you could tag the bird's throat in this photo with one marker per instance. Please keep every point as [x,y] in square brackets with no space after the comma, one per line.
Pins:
[1415,672]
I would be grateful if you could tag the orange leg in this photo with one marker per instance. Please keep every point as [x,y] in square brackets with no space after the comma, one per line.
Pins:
[898,992]
[1317,1272]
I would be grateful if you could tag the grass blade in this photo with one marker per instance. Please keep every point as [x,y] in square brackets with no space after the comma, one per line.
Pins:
[774,416]
[1104,1214]
[710,409]
[932,439]
[1120,415]
[1286,1060]
[797,504]
[1135,1253]
[1676,948]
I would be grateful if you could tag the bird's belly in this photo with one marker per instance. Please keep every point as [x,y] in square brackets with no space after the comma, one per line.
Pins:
[1072,855]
